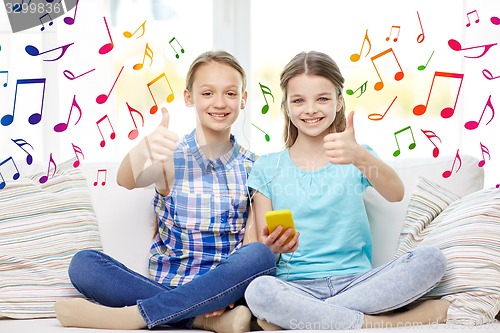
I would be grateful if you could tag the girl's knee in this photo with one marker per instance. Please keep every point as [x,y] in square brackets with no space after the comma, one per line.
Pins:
[261,253]
[80,263]
[259,293]
[432,256]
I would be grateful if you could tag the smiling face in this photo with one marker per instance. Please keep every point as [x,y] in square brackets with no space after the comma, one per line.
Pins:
[217,95]
[313,104]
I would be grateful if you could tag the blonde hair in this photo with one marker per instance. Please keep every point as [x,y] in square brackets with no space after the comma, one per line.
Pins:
[313,63]
[221,57]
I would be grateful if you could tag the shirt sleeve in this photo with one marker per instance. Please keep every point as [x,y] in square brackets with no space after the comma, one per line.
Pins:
[364,180]
[259,179]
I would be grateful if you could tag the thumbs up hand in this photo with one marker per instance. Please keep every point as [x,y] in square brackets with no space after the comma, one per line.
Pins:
[342,148]
[161,142]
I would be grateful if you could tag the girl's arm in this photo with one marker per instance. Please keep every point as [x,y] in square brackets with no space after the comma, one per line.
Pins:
[261,205]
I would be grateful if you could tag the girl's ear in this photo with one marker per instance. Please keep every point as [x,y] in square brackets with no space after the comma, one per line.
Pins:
[188,99]
[340,102]
[244,100]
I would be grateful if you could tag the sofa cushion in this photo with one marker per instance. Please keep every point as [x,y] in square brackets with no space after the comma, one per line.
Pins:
[42,225]
[468,233]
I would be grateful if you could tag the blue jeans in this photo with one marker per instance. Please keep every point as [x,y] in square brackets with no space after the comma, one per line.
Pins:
[340,302]
[101,278]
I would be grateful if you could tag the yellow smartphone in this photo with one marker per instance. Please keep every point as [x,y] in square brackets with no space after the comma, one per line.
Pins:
[282,217]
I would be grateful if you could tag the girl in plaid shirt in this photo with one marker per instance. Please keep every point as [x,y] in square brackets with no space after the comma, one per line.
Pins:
[201,260]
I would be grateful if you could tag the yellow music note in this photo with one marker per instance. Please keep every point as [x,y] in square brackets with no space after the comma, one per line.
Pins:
[147,52]
[127,34]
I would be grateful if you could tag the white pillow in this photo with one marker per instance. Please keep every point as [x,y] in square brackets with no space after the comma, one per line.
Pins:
[42,225]
[468,232]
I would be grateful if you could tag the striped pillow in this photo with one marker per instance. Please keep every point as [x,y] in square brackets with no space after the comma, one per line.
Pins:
[468,233]
[41,228]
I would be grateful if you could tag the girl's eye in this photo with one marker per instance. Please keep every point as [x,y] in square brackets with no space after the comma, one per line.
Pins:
[206,93]
[323,99]
[232,94]
[297,100]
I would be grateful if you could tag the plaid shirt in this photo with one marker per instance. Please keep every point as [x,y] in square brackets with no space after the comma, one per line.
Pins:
[201,221]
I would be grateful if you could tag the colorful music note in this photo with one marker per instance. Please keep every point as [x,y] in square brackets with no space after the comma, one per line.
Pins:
[127,34]
[109,46]
[422,67]
[147,52]
[484,150]
[398,76]
[15,176]
[135,132]
[33,51]
[61,127]
[378,116]
[77,151]
[101,99]
[44,179]
[486,73]
[112,135]
[472,124]
[495,20]
[355,56]
[41,21]
[35,117]
[71,20]
[390,33]
[99,172]
[421,37]
[70,76]
[6,77]
[169,98]
[411,146]
[430,135]
[266,136]
[362,88]
[265,91]
[21,143]
[446,112]
[447,173]
[456,46]
[176,53]
[468,19]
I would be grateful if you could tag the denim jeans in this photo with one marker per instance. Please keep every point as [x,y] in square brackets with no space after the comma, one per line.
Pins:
[103,279]
[340,302]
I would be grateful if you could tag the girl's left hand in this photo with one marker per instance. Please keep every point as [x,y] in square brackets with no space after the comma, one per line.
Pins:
[341,147]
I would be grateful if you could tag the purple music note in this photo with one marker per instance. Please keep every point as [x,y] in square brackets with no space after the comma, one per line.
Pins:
[33,51]
[35,117]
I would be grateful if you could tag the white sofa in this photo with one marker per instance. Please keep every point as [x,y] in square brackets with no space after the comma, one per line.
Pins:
[126,225]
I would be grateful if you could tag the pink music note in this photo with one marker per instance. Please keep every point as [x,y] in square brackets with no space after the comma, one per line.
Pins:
[355,56]
[21,143]
[61,127]
[176,53]
[456,46]
[398,76]
[112,135]
[484,150]
[447,173]
[15,176]
[135,132]
[70,76]
[430,135]
[41,21]
[421,37]
[378,116]
[71,20]
[44,179]
[147,52]
[99,172]
[486,73]
[472,124]
[101,99]
[33,51]
[396,27]
[77,151]
[109,46]
[468,19]
[127,34]
[410,146]
[35,117]
[446,112]
[6,78]
[495,20]
[169,98]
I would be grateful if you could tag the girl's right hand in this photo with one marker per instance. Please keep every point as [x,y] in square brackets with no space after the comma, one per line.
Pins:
[279,244]
[161,142]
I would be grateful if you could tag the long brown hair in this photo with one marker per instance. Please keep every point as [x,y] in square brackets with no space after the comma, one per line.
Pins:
[314,63]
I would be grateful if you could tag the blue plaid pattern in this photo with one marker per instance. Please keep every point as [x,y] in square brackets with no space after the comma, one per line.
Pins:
[203,218]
